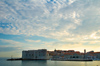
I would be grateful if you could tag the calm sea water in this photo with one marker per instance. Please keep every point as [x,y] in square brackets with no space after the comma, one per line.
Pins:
[3,62]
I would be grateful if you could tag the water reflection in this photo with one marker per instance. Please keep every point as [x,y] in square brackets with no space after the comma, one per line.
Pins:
[34,63]
[69,63]
[59,63]
[85,63]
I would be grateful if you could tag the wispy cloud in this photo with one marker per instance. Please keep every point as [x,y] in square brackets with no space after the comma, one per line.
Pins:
[11,42]
[32,40]
[30,44]
[65,20]
[44,18]
[7,49]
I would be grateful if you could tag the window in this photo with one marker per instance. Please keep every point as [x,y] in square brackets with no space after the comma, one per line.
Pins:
[73,56]
[32,54]
[77,57]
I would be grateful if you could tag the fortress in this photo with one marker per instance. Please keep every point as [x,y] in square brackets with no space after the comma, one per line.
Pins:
[35,54]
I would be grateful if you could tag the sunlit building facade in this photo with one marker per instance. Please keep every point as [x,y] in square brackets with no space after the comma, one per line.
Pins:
[41,54]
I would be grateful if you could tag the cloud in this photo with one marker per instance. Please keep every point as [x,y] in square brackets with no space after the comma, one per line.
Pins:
[57,19]
[24,16]
[63,44]
[7,49]
[17,45]
[32,40]
[12,42]
[72,45]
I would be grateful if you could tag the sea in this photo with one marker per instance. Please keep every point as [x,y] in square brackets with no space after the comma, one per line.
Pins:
[4,62]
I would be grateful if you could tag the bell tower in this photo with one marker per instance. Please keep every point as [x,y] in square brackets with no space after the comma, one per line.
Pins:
[84,53]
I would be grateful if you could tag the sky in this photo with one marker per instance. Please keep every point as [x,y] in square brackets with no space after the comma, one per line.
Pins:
[49,24]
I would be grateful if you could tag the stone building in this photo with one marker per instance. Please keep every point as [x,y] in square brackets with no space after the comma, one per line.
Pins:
[41,54]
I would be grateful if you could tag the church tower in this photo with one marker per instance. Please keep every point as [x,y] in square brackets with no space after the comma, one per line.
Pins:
[84,53]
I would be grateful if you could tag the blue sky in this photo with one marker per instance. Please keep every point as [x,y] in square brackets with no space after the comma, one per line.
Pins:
[49,24]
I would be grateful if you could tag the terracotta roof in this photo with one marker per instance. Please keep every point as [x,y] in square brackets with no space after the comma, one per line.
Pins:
[72,53]
[77,52]
[58,50]
[68,54]
[70,50]
[96,52]
[82,53]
